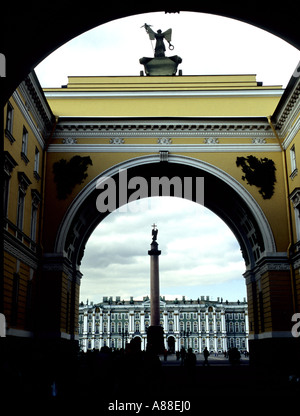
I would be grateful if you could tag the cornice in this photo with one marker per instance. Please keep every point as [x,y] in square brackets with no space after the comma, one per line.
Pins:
[26,114]
[287,110]
[75,94]
[14,247]
[90,127]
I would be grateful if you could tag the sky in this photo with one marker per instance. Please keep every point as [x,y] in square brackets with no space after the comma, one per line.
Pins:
[207,44]
[200,255]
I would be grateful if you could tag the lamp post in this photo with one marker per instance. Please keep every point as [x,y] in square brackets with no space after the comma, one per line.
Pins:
[124,334]
[185,335]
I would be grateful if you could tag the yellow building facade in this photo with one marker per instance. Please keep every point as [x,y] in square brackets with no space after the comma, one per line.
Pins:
[238,134]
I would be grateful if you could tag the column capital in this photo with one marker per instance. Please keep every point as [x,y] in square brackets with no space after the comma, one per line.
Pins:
[154,249]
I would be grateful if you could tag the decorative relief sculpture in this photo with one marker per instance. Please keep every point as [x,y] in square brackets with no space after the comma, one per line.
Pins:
[116,140]
[211,140]
[67,174]
[69,141]
[258,140]
[164,140]
[259,172]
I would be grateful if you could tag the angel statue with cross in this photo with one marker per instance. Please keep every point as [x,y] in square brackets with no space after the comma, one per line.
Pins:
[159,51]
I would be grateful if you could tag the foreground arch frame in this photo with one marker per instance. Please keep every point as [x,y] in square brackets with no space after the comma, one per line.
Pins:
[24,53]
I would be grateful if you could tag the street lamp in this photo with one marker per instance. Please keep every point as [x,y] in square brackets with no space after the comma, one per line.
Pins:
[185,334]
[124,334]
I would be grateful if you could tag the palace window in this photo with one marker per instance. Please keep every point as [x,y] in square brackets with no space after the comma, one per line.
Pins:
[9,123]
[24,182]
[293,160]
[20,209]
[36,198]
[24,145]
[36,163]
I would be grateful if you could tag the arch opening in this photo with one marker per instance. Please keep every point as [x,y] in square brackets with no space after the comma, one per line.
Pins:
[222,195]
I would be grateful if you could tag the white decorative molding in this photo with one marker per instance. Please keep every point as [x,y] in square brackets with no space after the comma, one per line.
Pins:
[157,128]
[69,140]
[291,133]
[19,251]
[258,140]
[152,148]
[211,140]
[164,140]
[164,155]
[63,94]
[116,140]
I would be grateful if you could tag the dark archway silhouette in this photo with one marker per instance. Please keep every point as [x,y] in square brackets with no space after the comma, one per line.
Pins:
[30,32]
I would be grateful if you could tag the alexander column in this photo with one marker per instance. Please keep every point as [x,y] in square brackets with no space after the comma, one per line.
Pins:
[155,333]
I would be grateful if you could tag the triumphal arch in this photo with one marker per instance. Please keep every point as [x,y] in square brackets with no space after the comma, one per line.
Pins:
[237,134]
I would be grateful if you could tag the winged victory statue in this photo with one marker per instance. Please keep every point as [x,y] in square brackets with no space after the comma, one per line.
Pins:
[159,36]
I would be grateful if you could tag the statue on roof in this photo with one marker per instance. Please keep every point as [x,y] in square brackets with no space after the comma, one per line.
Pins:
[159,50]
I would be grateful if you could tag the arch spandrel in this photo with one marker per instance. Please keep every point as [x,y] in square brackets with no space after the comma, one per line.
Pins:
[223,195]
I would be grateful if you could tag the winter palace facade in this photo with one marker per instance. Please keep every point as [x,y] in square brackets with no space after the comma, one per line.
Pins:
[217,325]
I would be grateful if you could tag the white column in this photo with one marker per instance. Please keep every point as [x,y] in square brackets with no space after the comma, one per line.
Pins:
[215,330]
[206,323]
[142,328]
[85,323]
[131,321]
[108,330]
[101,322]
[176,321]
[166,322]
[177,342]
